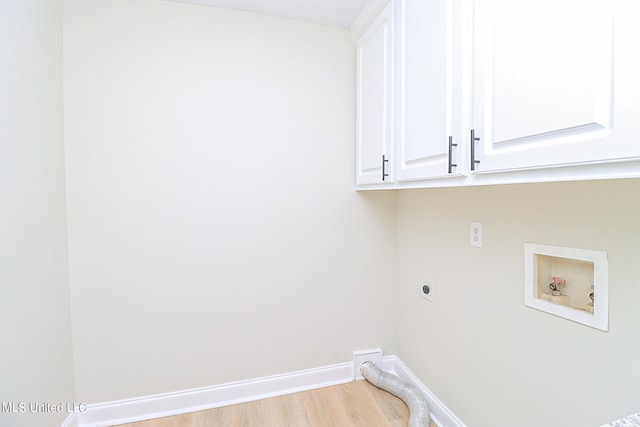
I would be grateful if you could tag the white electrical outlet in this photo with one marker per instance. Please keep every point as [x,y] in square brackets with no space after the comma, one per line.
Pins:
[359,357]
[426,289]
[475,234]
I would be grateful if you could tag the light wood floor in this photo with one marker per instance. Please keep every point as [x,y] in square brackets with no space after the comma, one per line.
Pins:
[347,405]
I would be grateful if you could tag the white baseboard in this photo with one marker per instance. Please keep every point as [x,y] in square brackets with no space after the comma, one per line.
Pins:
[440,414]
[71,421]
[167,404]
[162,405]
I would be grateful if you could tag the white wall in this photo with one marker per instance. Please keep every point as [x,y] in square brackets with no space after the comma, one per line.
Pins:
[214,231]
[490,359]
[215,234]
[36,354]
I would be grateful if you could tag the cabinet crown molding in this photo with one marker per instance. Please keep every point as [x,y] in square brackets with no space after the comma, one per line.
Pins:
[366,17]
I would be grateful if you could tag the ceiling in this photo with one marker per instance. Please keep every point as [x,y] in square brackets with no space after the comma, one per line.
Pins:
[340,13]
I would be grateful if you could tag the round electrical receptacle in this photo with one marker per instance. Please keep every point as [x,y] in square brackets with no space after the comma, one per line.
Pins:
[426,290]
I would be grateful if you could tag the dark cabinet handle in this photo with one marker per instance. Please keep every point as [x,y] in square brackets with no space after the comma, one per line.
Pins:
[451,145]
[474,139]
[384,163]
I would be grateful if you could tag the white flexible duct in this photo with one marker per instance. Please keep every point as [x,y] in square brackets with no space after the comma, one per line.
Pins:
[419,415]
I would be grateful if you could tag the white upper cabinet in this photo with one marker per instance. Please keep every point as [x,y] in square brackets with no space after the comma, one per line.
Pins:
[526,91]
[546,85]
[374,101]
[425,147]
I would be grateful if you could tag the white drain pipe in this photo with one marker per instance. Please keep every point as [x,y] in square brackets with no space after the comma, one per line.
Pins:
[419,415]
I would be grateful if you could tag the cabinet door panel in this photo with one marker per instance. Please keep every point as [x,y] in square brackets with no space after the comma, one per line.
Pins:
[543,82]
[374,120]
[425,105]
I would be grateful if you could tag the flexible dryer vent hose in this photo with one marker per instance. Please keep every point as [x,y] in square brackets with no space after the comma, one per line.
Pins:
[419,415]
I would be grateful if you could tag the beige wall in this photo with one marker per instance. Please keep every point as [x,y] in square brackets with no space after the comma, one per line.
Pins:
[490,359]
[215,234]
[36,352]
[214,231]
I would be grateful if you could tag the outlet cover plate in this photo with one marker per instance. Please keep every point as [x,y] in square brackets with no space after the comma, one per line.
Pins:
[361,356]
[429,295]
[475,234]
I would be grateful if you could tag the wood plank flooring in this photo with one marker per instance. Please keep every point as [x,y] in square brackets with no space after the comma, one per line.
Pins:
[354,404]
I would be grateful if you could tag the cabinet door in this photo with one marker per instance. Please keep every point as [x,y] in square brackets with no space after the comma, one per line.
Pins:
[543,84]
[425,73]
[374,121]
